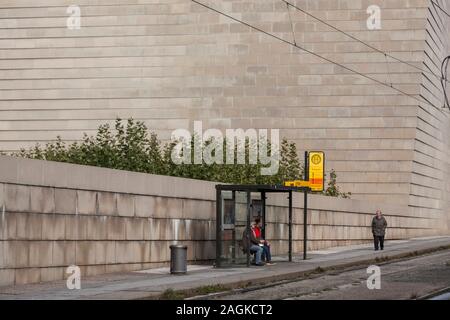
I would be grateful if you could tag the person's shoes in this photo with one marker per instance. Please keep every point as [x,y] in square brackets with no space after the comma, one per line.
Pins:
[261,264]
[270,263]
[376,249]
[382,248]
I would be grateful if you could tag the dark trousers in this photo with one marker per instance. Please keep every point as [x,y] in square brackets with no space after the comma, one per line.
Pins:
[378,242]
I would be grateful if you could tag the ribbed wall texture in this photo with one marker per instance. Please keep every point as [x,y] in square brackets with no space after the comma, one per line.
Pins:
[430,186]
[171,62]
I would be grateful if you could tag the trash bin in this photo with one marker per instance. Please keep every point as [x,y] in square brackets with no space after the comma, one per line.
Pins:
[178,259]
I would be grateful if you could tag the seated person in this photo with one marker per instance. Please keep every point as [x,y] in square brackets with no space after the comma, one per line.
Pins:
[249,236]
[266,256]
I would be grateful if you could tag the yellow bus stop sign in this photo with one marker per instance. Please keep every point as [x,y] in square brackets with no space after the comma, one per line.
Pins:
[316,165]
[316,172]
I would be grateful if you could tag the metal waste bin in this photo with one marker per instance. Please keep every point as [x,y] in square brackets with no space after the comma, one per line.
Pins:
[178,259]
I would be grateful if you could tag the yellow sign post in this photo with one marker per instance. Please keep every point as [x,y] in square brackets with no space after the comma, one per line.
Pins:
[316,166]
[315,173]
[314,181]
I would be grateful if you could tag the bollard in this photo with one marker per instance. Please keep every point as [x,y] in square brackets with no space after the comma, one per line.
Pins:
[178,259]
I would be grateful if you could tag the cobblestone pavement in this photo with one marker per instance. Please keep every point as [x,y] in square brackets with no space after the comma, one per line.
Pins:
[409,279]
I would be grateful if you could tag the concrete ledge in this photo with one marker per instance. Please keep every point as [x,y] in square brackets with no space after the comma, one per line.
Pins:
[71,176]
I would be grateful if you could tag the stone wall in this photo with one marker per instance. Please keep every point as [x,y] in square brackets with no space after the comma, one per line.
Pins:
[169,62]
[103,220]
[430,171]
[55,215]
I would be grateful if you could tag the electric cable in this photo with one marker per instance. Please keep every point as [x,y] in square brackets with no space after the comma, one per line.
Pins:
[359,40]
[313,53]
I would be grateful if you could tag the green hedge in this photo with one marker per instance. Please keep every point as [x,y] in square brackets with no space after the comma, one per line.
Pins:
[131,146]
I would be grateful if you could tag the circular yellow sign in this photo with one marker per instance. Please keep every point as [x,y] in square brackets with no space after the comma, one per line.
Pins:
[316,159]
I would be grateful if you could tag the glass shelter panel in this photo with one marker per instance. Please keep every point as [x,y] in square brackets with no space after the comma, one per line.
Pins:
[234,222]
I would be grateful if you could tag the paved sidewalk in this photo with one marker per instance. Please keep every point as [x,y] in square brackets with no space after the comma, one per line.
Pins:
[152,283]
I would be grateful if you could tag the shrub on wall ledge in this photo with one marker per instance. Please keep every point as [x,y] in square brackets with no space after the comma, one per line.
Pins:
[130,146]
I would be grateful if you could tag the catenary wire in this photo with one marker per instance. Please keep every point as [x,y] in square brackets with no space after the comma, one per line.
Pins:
[359,40]
[312,53]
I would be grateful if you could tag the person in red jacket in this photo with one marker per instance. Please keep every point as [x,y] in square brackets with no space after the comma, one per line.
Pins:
[257,231]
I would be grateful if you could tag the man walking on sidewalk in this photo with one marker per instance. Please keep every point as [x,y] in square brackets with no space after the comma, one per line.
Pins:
[379,225]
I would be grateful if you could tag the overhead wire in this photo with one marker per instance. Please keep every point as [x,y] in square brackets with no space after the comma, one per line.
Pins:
[440,8]
[292,24]
[359,40]
[444,71]
[444,65]
[313,53]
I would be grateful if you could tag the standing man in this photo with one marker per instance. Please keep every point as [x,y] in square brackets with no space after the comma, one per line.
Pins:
[379,225]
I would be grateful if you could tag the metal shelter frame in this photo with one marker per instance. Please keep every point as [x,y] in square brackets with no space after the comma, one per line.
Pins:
[263,190]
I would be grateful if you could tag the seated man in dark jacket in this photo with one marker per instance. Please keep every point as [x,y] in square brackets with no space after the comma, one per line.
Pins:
[249,236]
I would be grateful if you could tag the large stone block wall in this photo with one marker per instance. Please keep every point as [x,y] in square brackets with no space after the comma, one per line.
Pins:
[430,186]
[171,62]
[54,215]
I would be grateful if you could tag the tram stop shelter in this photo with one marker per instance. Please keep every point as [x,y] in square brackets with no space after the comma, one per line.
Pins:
[236,208]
